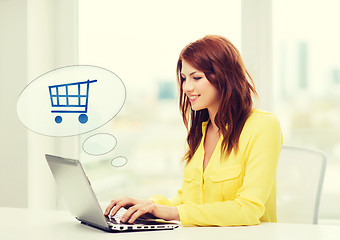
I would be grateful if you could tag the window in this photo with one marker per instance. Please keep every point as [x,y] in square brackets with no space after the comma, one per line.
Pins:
[307,83]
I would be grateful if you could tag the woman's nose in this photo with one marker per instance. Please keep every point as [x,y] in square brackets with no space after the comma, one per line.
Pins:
[187,86]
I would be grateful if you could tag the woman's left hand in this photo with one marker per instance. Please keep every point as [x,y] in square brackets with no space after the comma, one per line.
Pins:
[138,207]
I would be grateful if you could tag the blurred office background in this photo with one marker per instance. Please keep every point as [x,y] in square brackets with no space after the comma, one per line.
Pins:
[289,46]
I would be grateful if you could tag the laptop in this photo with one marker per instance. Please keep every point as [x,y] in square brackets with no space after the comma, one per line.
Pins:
[76,189]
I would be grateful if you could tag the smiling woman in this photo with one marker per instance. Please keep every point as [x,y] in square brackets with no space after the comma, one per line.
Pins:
[233,149]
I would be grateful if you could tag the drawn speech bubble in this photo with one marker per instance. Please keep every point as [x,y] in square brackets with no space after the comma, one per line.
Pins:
[119,161]
[99,144]
[71,100]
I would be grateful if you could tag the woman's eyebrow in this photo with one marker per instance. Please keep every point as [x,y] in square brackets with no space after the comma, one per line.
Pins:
[190,73]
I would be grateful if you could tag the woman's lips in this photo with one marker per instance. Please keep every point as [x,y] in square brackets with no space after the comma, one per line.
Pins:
[193,97]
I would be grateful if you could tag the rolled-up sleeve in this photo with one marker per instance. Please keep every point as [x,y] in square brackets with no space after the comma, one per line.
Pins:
[175,201]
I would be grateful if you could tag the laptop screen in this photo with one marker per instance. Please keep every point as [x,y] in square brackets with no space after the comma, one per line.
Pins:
[75,188]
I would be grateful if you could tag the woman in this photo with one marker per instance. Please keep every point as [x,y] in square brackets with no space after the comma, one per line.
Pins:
[233,149]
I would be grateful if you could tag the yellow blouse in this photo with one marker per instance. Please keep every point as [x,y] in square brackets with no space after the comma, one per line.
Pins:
[237,190]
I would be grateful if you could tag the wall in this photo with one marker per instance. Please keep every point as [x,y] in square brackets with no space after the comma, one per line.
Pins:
[13,77]
[36,36]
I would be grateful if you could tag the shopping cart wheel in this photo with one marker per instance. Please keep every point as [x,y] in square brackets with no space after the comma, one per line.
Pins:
[58,119]
[83,118]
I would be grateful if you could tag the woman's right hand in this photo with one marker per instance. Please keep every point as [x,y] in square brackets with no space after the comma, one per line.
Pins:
[138,207]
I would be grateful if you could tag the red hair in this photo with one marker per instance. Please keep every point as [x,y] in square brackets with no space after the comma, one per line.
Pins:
[222,65]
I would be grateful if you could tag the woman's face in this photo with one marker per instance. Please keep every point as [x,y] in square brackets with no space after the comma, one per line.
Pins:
[200,92]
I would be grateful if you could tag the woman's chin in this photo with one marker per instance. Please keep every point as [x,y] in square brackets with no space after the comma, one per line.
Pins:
[195,108]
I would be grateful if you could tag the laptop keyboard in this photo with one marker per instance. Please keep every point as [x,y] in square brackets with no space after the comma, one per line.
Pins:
[116,218]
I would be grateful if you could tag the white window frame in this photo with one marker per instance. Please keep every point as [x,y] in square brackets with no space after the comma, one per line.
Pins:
[257,47]
[51,43]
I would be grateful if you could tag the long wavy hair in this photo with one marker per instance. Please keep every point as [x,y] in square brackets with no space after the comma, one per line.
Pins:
[223,66]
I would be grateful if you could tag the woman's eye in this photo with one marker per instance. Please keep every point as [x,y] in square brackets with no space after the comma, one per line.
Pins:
[197,78]
[182,79]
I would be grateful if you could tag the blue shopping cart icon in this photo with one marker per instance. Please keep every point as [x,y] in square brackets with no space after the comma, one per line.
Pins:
[70,98]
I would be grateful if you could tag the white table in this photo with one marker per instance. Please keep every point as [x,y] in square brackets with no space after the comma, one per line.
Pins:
[47,224]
